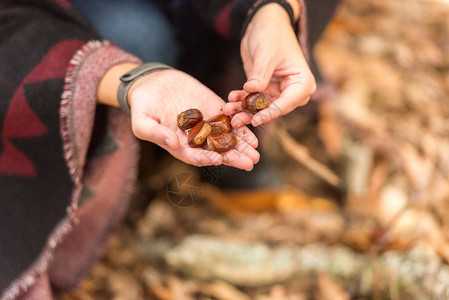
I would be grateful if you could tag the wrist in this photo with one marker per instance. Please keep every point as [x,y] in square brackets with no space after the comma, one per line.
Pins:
[129,78]
[281,9]
[271,17]
[272,11]
[296,8]
[154,81]
[110,82]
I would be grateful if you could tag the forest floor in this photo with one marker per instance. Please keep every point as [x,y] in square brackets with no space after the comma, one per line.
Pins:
[364,209]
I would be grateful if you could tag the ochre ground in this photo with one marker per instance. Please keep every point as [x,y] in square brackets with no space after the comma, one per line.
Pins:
[364,212]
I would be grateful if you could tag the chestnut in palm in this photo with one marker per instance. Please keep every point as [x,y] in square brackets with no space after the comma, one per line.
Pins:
[221,142]
[189,118]
[220,123]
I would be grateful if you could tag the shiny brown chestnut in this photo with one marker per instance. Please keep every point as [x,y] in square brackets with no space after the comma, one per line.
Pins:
[221,142]
[189,118]
[255,102]
[220,123]
[198,134]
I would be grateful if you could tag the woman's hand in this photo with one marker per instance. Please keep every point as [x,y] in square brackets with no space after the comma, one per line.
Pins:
[274,64]
[156,100]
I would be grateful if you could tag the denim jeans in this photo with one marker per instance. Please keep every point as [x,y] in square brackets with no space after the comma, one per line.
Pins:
[137,26]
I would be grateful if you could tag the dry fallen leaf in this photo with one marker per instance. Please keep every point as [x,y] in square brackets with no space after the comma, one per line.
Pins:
[153,281]
[124,286]
[241,201]
[330,131]
[330,290]
[223,291]
[290,199]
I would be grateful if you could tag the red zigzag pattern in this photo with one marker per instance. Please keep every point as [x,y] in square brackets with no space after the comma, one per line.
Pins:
[21,121]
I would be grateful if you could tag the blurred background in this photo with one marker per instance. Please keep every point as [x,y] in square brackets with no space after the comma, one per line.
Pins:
[363,208]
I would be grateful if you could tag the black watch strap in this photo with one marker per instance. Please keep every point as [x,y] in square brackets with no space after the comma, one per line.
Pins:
[128,79]
[259,4]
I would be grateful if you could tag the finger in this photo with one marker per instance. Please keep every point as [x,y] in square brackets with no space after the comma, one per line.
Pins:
[237,95]
[246,149]
[195,156]
[238,160]
[150,130]
[261,72]
[232,108]
[292,97]
[241,119]
[247,135]
[200,157]
[268,114]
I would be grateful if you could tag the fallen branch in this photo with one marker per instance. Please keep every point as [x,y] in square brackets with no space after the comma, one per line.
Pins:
[301,154]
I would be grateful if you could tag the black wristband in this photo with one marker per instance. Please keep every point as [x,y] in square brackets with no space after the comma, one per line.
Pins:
[128,79]
[259,5]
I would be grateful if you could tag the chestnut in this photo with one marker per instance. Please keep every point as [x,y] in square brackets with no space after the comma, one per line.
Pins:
[221,142]
[255,102]
[198,134]
[216,130]
[220,123]
[189,118]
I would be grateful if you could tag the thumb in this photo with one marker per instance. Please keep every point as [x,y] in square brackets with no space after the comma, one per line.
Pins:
[260,74]
[150,130]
